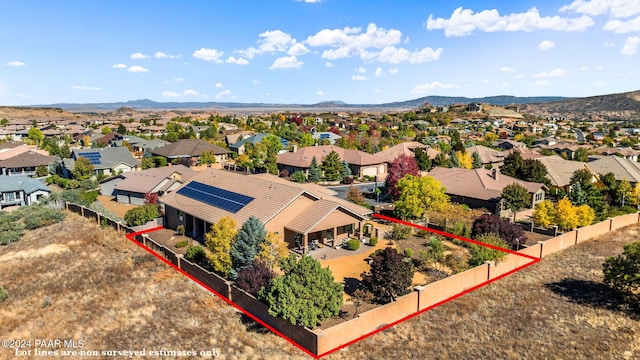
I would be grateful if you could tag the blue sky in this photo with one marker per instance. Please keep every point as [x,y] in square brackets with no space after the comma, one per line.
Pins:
[306,51]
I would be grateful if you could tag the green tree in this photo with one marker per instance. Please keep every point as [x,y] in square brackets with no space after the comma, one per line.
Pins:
[147,163]
[454,161]
[207,157]
[218,241]
[516,197]
[390,275]
[477,161]
[581,154]
[419,194]
[299,177]
[106,130]
[248,240]
[121,129]
[441,160]
[315,173]
[65,151]
[422,158]
[332,166]
[141,215]
[479,254]
[35,135]
[83,169]
[512,165]
[346,170]
[622,273]
[272,145]
[305,295]
[306,139]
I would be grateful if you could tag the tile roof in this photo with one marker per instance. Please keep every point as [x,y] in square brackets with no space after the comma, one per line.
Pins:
[477,183]
[622,169]
[487,154]
[188,148]
[406,148]
[24,183]
[9,153]
[256,139]
[559,170]
[11,144]
[270,197]
[110,157]
[312,216]
[147,180]
[302,157]
[26,159]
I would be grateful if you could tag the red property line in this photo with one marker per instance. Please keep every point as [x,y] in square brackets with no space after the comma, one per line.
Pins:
[275,331]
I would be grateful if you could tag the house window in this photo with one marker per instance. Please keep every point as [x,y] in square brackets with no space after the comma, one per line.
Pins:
[8,197]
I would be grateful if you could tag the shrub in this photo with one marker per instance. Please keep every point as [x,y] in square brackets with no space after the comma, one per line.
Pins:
[180,230]
[35,217]
[140,215]
[73,184]
[479,254]
[373,241]
[353,244]
[400,232]
[196,254]
[89,197]
[408,253]
[284,173]
[181,244]
[347,180]
[41,171]
[509,232]
[254,277]
[622,273]
[3,294]
[422,233]
[299,177]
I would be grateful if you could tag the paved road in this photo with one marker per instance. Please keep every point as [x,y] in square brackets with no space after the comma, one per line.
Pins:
[366,189]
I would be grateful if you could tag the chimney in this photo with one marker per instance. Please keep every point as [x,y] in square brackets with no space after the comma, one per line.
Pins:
[294,148]
[495,174]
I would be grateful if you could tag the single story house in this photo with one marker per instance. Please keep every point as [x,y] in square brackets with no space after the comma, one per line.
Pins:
[106,161]
[360,162]
[131,187]
[294,213]
[560,170]
[21,191]
[482,188]
[24,163]
[240,146]
[622,169]
[191,149]
[323,136]
[407,148]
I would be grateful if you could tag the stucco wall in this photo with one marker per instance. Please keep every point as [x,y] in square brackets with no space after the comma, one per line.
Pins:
[559,243]
[284,217]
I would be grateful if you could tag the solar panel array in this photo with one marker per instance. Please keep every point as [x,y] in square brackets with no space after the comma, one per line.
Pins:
[214,196]
[93,157]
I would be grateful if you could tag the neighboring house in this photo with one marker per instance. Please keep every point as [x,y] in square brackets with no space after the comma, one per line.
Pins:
[488,156]
[21,191]
[24,163]
[627,152]
[191,149]
[547,141]
[482,188]
[506,144]
[407,148]
[622,169]
[326,136]
[240,146]
[292,212]
[106,161]
[139,145]
[360,162]
[568,149]
[233,138]
[131,187]
[560,171]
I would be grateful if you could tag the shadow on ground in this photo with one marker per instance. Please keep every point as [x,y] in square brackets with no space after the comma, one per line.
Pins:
[596,294]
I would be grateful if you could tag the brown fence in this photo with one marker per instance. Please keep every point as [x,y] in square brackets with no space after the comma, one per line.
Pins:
[321,341]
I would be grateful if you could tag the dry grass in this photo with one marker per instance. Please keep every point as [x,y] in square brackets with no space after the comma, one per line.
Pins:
[77,281]
[95,285]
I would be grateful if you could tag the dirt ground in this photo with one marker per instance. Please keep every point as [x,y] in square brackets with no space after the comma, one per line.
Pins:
[115,207]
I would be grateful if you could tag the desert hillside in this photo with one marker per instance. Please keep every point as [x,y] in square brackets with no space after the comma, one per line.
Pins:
[624,106]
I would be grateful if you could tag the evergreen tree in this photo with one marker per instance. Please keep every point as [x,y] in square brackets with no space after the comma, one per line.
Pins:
[477,161]
[315,173]
[512,164]
[346,170]
[248,240]
[332,166]
[422,158]
[453,159]
[390,275]
[441,160]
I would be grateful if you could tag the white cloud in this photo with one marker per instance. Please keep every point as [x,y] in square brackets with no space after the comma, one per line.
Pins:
[137,69]
[631,45]
[379,72]
[621,27]
[393,71]
[348,42]
[161,55]
[138,56]
[16,63]
[541,83]
[557,72]
[84,87]
[178,79]
[599,68]
[425,88]
[119,66]
[519,76]
[615,8]
[320,92]
[286,62]
[310,1]
[358,77]
[239,61]
[393,55]
[190,92]
[223,94]
[208,55]
[584,68]
[546,45]
[167,93]
[219,85]
[275,40]
[361,70]
[609,44]
[298,49]
[329,64]
[507,69]
[464,22]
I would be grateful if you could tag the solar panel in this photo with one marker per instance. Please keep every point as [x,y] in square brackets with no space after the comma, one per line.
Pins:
[214,196]
[93,157]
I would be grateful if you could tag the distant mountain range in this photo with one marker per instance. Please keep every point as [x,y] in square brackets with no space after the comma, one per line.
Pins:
[147,104]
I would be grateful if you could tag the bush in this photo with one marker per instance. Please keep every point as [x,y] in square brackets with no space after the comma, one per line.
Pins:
[196,254]
[141,215]
[622,273]
[479,254]
[35,217]
[299,177]
[509,232]
[284,173]
[422,233]
[181,244]
[180,230]
[73,184]
[373,241]
[3,294]
[353,244]
[347,180]
[400,232]
[89,197]
[254,277]
[408,253]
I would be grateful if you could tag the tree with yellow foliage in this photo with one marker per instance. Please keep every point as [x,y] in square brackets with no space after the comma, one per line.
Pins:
[544,214]
[490,137]
[218,241]
[272,250]
[635,195]
[86,140]
[585,214]
[566,215]
[464,159]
